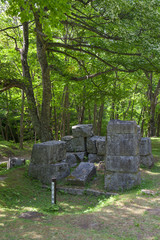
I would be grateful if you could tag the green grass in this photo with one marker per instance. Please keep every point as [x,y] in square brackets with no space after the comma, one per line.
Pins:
[124,216]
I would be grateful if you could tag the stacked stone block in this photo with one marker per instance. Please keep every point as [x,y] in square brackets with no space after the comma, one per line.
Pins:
[83,145]
[122,156]
[146,157]
[48,161]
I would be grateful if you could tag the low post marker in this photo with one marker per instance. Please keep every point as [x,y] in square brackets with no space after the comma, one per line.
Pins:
[53,190]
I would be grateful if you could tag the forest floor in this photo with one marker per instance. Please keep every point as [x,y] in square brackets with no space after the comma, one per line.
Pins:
[26,211]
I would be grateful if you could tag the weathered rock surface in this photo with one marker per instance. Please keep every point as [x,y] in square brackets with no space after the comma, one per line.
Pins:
[122,145]
[94,158]
[15,162]
[48,152]
[145,146]
[146,157]
[82,130]
[91,144]
[45,172]
[74,144]
[115,181]
[122,127]
[71,159]
[101,145]
[147,161]
[82,174]
[122,155]
[123,163]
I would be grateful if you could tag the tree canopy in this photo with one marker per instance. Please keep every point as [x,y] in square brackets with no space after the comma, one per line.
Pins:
[79,61]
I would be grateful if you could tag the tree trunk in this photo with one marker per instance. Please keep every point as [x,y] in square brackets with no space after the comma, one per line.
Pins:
[28,88]
[21,123]
[46,133]
[1,126]
[95,119]
[99,124]
[158,125]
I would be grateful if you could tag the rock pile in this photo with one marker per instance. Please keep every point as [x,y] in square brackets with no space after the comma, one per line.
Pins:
[83,145]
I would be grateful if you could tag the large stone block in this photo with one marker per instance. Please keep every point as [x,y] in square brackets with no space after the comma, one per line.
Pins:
[74,144]
[94,158]
[115,181]
[71,159]
[91,144]
[121,127]
[48,152]
[145,146]
[122,145]
[128,164]
[82,130]
[147,161]
[82,174]
[45,172]
[101,145]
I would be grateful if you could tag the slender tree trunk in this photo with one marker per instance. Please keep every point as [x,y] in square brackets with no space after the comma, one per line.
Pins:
[28,88]
[112,111]
[21,122]
[100,117]
[158,125]
[95,119]
[2,131]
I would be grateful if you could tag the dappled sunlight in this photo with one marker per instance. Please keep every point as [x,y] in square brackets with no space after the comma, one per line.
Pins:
[33,235]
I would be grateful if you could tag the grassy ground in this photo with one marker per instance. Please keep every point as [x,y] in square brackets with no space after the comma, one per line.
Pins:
[129,216]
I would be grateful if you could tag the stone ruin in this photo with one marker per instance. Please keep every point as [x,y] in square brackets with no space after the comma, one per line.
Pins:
[122,156]
[122,153]
[48,161]
[84,146]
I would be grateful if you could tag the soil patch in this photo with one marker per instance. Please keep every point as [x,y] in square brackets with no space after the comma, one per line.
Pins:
[31,215]
[154,211]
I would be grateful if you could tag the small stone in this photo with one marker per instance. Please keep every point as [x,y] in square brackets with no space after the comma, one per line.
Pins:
[15,162]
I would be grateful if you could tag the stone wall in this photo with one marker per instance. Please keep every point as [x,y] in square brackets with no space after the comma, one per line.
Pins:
[83,145]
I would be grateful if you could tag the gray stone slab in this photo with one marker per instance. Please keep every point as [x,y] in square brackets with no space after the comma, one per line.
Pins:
[145,146]
[15,162]
[125,164]
[74,144]
[45,172]
[101,145]
[91,144]
[115,181]
[48,152]
[94,158]
[82,174]
[122,145]
[82,130]
[118,127]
